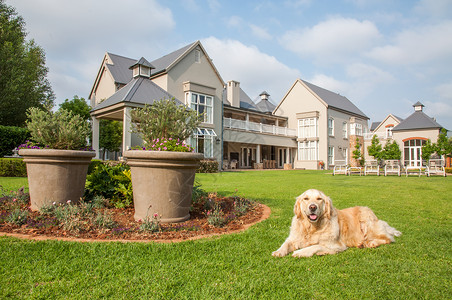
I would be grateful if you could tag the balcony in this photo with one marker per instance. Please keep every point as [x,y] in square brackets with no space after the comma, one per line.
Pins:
[258,127]
[380,136]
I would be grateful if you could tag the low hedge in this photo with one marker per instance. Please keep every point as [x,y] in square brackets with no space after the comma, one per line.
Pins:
[11,138]
[208,166]
[12,167]
[449,170]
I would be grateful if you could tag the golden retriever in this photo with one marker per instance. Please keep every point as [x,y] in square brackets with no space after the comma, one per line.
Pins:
[319,228]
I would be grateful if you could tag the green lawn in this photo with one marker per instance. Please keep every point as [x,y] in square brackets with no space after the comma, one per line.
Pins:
[240,266]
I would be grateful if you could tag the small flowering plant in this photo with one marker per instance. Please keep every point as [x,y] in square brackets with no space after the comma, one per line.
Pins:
[165,144]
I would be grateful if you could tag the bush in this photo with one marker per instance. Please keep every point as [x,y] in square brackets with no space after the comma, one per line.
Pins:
[12,167]
[111,181]
[208,166]
[12,137]
[449,170]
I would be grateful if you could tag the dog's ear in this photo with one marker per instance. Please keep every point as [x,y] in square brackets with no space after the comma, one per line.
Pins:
[329,209]
[297,207]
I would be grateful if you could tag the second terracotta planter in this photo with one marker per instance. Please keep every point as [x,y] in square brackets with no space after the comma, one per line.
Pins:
[162,183]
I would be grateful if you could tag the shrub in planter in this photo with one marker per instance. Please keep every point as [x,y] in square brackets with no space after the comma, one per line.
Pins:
[12,167]
[163,169]
[57,158]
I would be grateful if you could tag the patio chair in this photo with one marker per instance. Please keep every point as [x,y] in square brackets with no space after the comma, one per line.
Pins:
[392,166]
[234,164]
[372,167]
[340,167]
[435,167]
[413,170]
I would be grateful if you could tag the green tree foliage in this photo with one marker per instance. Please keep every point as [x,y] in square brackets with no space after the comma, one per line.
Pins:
[23,82]
[358,154]
[77,106]
[391,151]
[428,149]
[443,146]
[11,137]
[165,119]
[110,135]
[375,148]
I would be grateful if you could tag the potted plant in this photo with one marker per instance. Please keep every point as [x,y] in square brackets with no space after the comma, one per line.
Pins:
[163,169]
[56,157]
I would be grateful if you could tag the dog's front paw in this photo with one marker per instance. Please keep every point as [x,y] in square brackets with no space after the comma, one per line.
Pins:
[278,253]
[302,253]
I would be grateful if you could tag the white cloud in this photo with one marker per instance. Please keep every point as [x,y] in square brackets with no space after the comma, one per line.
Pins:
[333,40]
[372,74]
[444,91]
[434,8]
[330,83]
[256,71]
[260,32]
[419,45]
[234,22]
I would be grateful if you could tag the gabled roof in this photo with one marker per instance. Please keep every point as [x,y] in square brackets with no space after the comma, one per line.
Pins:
[139,90]
[265,106]
[335,100]
[328,98]
[165,62]
[417,120]
[120,68]
[143,62]
[376,125]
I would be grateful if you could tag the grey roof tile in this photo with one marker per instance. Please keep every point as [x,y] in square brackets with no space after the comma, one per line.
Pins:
[335,100]
[162,63]
[139,91]
[120,68]
[417,120]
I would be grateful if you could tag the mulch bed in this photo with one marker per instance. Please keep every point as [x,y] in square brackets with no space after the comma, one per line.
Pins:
[127,229]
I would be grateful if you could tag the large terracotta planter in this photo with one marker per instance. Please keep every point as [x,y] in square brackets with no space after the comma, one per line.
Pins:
[56,175]
[162,183]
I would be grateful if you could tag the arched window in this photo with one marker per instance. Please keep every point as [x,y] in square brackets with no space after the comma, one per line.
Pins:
[412,151]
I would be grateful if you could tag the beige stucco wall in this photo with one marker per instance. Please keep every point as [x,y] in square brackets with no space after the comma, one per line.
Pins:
[202,73]
[105,87]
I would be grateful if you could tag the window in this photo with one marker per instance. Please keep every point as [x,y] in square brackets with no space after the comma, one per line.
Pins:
[330,126]
[344,130]
[202,141]
[197,56]
[308,150]
[330,156]
[389,131]
[412,152]
[356,129]
[203,105]
[308,128]
[345,154]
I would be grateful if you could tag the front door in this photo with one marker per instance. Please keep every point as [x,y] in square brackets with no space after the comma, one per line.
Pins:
[415,156]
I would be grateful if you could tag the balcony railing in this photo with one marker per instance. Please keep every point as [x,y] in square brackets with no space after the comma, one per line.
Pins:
[258,127]
[369,135]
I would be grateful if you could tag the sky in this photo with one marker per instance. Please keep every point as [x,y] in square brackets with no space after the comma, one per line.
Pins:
[383,55]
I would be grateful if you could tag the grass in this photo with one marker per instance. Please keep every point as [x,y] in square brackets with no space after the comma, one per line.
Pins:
[240,266]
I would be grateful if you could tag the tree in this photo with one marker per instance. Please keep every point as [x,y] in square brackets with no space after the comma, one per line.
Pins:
[77,106]
[444,146]
[358,154]
[428,149]
[391,151]
[23,82]
[375,148]
[110,135]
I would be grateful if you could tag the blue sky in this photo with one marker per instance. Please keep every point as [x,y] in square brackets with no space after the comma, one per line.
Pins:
[384,55]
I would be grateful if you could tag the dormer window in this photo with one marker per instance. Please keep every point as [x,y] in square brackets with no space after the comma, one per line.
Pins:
[142,68]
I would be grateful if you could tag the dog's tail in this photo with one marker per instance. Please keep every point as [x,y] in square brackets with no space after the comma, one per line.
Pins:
[391,231]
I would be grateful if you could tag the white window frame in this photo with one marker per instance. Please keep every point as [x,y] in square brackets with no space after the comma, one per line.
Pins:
[308,150]
[331,126]
[207,136]
[308,128]
[194,101]
[356,129]
[197,56]
[389,132]
[345,130]
[330,156]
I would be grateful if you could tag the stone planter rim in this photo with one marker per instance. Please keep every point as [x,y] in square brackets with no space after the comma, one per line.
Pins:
[57,152]
[151,154]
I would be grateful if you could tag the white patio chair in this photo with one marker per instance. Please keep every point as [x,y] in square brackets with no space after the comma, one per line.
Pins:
[372,167]
[435,167]
[340,167]
[392,166]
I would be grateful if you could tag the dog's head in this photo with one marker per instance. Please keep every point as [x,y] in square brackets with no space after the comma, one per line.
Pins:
[313,205]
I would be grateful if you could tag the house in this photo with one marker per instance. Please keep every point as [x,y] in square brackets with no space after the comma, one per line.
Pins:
[410,134]
[187,74]
[253,137]
[327,124]
[309,125]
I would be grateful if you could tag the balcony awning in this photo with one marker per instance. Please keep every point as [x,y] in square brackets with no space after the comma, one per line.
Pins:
[204,131]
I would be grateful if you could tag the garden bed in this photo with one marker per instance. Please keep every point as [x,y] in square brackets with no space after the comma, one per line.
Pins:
[214,215]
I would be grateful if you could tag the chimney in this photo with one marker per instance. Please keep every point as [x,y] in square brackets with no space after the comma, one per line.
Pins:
[233,93]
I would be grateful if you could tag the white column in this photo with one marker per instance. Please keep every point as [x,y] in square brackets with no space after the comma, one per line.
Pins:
[126,134]
[288,155]
[96,136]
